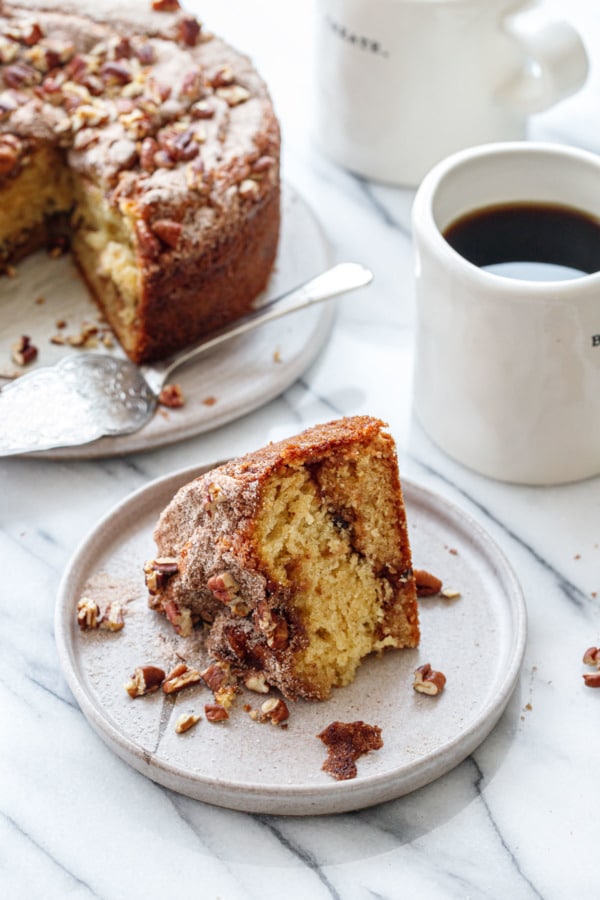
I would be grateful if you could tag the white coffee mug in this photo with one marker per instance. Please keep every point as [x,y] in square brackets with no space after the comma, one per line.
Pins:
[507,371]
[400,84]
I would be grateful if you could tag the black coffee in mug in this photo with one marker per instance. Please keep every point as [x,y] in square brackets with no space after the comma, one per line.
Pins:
[530,241]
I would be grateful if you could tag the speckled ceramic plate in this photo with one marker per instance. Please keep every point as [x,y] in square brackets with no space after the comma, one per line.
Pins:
[247,372]
[477,640]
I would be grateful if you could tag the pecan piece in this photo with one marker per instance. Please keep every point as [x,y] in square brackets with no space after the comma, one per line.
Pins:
[195,176]
[273,625]
[214,712]
[233,94]
[85,138]
[223,77]
[149,244]
[116,73]
[450,594]
[240,608]
[189,31]
[257,682]
[168,231]
[238,642]
[263,164]
[148,149]
[88,614]
[226,695]
[591,657]
[181,676]
[202,109]
[122,48]
[223,586]
[157,91]
[164,160]
[76,67]
[30,33]
[8,104]
[185,722]
[427,584]
[23,351]
[14,142]
[275,711]
[122,153]
[138,124]
[278,639]
[214,495]
[179,145]
[192,83]
[144,52]
[215,676]
[171,395]
[145,680]
[186,144]
[158,571]
[180,619]
[112,618]
[8,50]
[428,681]
[20,75]
[165,5]
[249,189]
[592,679]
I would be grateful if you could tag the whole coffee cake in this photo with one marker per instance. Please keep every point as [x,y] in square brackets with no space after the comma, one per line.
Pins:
[149,144]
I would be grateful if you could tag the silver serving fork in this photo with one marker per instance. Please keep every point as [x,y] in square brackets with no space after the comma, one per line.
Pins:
[87,396]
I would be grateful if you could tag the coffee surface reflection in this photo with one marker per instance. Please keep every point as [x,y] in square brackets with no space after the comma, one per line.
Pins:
[529,241]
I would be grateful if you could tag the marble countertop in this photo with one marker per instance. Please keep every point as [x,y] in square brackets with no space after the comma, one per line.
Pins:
[517,818]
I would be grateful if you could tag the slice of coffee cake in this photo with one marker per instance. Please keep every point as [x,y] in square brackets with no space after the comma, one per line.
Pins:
[298,557]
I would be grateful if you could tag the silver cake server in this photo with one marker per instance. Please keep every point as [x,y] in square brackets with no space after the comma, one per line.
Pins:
[87,396]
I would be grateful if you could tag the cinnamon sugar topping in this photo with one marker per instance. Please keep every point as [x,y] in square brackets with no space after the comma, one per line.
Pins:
[346,742]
